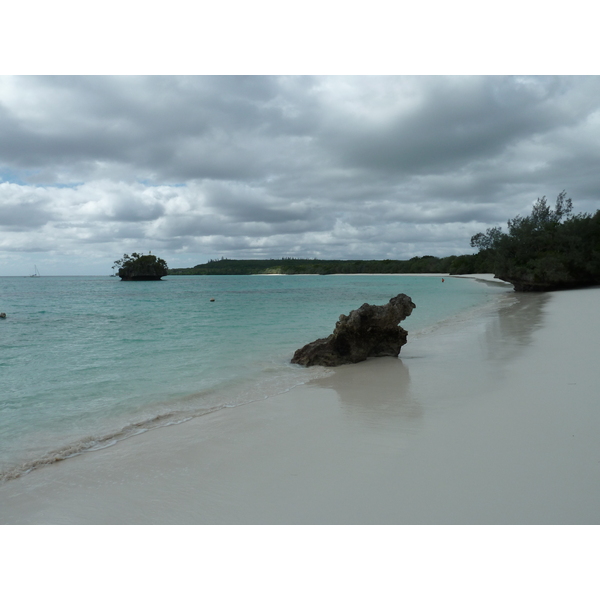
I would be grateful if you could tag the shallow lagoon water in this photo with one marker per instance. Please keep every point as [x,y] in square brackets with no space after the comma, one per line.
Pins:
[86,361]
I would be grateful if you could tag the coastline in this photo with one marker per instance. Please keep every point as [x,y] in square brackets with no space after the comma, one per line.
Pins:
[482,277]
[25,447]
[489,420]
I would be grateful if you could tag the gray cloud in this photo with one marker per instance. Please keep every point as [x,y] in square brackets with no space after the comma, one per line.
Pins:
[340,167]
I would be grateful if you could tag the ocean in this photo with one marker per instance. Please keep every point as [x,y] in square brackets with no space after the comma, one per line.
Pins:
[87,361]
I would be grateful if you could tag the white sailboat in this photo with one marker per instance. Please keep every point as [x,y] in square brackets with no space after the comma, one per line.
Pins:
[36,273]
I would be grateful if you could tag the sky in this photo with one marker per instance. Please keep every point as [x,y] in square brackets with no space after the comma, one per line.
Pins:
[193,168]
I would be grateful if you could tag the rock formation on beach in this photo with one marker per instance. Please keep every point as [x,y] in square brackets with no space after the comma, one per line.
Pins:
[367,331]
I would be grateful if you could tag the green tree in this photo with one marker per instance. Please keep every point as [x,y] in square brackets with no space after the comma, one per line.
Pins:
[140,267]
[548,249]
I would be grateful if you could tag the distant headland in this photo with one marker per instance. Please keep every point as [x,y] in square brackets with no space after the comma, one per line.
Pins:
[307,266]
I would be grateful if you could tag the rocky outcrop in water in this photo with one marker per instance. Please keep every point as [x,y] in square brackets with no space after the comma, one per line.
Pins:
[141,267]
[367,331]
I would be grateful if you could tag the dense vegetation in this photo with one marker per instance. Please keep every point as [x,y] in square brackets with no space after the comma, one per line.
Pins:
[549,249]
[301,266]
[140,267]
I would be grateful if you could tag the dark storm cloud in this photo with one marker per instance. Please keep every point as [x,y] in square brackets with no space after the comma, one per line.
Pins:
[167,128]
[455,121]
[197,127]
[99,119]
[312,166]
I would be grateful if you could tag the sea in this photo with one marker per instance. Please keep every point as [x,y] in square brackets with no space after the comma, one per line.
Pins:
[88,361]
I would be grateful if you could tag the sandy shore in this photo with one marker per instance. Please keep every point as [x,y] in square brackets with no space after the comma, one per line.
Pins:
[486,421]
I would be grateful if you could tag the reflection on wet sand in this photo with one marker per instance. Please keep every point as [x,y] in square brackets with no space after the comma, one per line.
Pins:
[514,325]
[390,379]
[439,370]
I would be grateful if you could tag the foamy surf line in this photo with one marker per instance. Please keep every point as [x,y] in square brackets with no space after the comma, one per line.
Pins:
[90,443]
[249,393]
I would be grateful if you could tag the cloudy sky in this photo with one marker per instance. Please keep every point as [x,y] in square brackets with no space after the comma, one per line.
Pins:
[199,167]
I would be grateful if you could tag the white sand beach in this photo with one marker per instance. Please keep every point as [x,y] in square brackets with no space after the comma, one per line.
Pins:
[492,420]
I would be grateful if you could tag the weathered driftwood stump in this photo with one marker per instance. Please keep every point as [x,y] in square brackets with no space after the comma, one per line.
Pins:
[367,331]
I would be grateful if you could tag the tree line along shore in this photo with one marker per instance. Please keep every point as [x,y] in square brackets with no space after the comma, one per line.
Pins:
[299,266]
[550,249]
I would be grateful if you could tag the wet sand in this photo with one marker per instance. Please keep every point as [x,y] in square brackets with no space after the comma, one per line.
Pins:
[492,420]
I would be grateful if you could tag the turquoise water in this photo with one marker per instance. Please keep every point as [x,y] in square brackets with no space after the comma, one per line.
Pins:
[86,361]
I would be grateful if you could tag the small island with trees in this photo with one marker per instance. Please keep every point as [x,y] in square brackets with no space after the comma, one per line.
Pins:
[547,250]
[141,267]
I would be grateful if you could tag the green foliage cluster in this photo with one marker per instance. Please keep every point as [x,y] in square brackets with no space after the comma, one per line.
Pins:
[549,249]
[140,266]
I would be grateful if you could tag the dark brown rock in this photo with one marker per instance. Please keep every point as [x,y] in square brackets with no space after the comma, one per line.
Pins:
[367,331]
